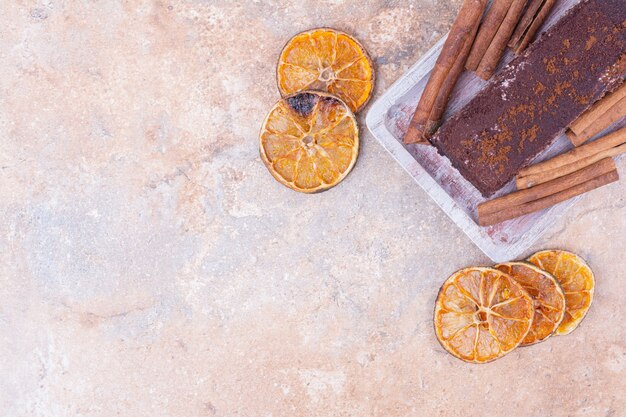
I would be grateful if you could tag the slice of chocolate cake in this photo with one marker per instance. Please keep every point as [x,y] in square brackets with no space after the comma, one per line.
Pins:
[520,113]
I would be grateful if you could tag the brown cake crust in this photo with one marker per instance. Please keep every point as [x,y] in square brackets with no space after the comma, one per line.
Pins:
[527,105]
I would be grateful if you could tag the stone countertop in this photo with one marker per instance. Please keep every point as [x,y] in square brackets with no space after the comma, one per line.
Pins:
[150,265]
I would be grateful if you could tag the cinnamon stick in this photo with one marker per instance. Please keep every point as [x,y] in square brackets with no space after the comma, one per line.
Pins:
[604,120]
[525,22]
[490,60]
[542,177]
[548,194]
[537,20]
[495,15]
[441,102]
[470,12]
[606,142]
[548,188]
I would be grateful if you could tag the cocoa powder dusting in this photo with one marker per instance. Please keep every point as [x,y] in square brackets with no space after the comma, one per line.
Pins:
[618,68]
[551,66]
[559,89]
[492,152]
[539,88]
[590,42]
[529,135]
[582,99]
[521,109]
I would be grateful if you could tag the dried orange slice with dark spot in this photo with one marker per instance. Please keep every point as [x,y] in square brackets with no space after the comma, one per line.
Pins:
[577,281]
[548,298]
[309,141]
[481,314]
[326,60]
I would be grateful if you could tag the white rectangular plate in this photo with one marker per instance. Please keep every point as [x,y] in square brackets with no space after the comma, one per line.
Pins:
[388,120]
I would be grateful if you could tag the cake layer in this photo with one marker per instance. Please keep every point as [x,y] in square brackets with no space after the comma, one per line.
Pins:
[527,105]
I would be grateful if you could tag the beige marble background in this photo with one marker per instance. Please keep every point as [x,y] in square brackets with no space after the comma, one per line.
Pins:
[150,266]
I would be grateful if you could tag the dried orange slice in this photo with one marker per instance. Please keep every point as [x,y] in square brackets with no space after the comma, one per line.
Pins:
[547,295]
[309,141]
[577,281]
[326,60]
[481,314]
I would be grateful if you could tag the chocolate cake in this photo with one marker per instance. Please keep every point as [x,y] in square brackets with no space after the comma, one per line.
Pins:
[527,105]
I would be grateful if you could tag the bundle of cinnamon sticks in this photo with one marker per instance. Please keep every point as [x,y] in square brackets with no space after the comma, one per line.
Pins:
[474,46]
[493,36]
[545,184]
[600,116]
[528,26]
[512,22]
[446,72]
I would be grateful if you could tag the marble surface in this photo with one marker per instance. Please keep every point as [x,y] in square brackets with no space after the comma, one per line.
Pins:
[150,265]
